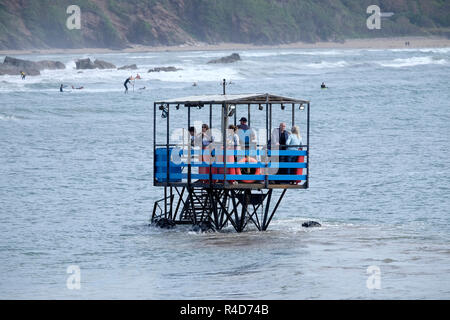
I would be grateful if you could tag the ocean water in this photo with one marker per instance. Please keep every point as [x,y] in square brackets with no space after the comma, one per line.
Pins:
[76,181]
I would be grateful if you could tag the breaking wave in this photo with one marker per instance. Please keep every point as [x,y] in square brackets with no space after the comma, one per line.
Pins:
[256,54]
[327,65]
[411,62]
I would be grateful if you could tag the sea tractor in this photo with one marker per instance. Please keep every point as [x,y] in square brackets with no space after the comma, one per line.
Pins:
[211,181]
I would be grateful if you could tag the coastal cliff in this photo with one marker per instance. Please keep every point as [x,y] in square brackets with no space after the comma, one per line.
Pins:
[117,24]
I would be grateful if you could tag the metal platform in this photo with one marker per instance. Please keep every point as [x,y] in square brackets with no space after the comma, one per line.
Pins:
[253,186]
[219,188]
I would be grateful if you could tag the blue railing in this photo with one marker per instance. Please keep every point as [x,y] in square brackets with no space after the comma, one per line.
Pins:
[263,160]
[214,152]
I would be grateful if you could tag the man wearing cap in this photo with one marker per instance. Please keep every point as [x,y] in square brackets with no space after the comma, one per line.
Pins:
[247,137]
[246,134]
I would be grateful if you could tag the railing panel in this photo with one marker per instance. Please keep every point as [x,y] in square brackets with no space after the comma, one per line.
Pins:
[179,164]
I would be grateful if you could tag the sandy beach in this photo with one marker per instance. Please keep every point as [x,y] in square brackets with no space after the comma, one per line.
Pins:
[374,43]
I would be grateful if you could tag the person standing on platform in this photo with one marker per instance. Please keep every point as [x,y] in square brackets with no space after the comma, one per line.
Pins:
[278,142]
[246,134]
[294,140]
[205,138]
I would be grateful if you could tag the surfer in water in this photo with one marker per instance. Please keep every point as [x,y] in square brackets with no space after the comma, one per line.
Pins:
[23,75]
[323,86]
[79,88]
[61,87]
[127,82]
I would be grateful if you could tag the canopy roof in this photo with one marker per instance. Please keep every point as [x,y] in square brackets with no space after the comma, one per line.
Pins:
[254,98]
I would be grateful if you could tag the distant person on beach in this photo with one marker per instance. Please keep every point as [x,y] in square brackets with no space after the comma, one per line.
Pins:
[127,82]
[23,75]
[323,86]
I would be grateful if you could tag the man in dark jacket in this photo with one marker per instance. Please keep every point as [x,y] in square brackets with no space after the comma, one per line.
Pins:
[245,133]
[278,142]
[279,137]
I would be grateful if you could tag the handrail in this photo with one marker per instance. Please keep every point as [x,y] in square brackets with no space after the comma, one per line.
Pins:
[183,160]
[250,165]
[260,177]
[263,146]
[254,152]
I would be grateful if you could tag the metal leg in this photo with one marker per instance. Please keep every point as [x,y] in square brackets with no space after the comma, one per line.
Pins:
[266,224]
[180,200]
[218,206]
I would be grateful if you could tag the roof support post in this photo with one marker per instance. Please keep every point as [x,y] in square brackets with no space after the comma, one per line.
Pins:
[293,114]
[154,143]
[248,115]
[210,116]
[189,149]
[224,84]
[210,163]
[270,119]
[224,136]
[309,149]
[268,134]
[167,144]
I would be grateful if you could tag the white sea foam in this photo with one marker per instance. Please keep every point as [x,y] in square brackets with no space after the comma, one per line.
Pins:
[6,117]
[424,50]
[196,73]
[71,65]
[411,62]
[142,57]
[256,54]
[195,69]
[327,64]
[435,50]
[112,80]
[203,54]
[411,50]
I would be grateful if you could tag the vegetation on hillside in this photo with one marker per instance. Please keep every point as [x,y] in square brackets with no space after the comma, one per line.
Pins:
[119,23]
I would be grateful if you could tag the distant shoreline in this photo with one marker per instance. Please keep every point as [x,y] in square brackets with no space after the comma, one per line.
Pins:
[373,43]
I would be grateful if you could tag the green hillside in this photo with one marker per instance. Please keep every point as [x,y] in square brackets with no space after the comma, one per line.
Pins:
[28,24]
